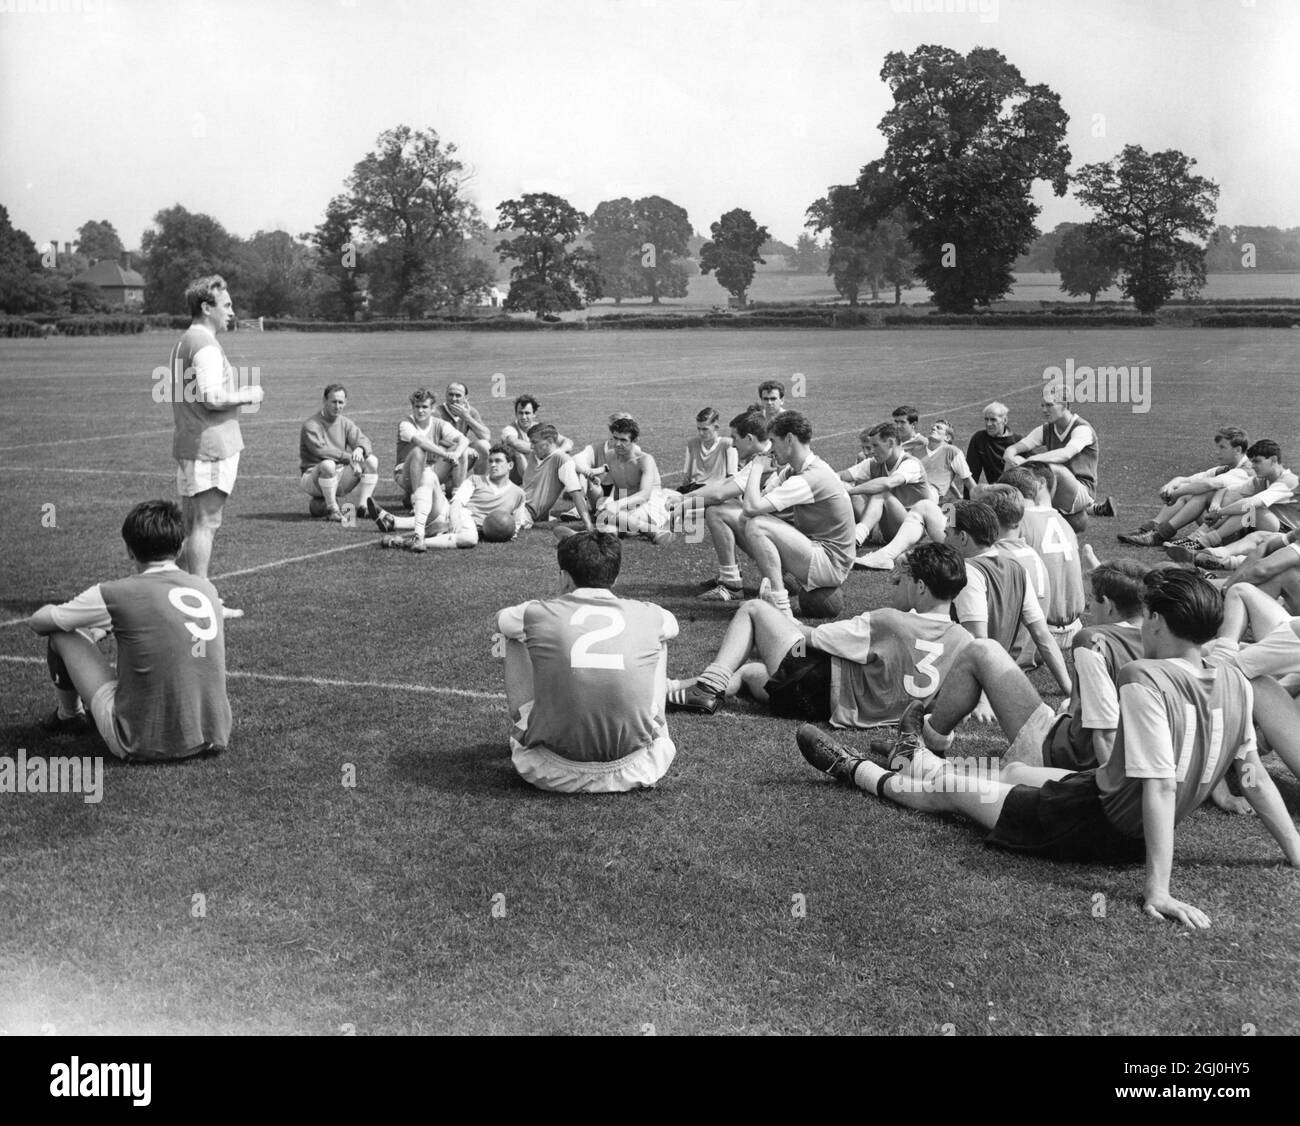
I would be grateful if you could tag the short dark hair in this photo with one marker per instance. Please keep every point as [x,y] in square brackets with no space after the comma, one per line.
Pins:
[771,385]
[885,431]
[940,567]
[1122,581]
[590,558]
[545,431]
[909,413]
[1265,447]
[1234,436]
[423,395]
[977,520]
[153,530]
[1190,605]
[1022,480]
[624,424]
[1006,501]
[707,417]
[791,422]
[527,401]
[330,388]
[750,424]
[203,291]
[1041,470]
[499,449]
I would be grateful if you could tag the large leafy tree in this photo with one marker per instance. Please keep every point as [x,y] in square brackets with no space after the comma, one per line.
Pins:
[810,257]
[181,246]
[733,251]
[967,138]
[339,265]
[1088,260]
[639,248]
[21,283]
[1147,203]
[868,245]
[279,275]
[550,276]
[97,239]
[407,197]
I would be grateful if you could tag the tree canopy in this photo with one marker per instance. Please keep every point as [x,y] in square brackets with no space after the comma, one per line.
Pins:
[97,239]
[639,247]
[733,251]
[550,277]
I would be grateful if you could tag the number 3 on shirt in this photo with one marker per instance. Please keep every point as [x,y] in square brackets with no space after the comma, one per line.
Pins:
[195,604]
[580,654]
[933,651]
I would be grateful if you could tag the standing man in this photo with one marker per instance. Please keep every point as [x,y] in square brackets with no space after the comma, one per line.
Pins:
[335,457]
[167,698]
[456,409]
[586,678]
[206,398]
[1069,445]
[984,452]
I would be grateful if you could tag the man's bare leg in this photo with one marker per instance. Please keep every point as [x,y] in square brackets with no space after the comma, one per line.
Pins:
[202,517]
[982,667]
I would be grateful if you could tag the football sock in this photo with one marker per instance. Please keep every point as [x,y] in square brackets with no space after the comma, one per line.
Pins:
[871,777]
[729,574]
[1165,531]
[1148,526]
[714,679]
[421,506]
[780,599]
[933,739]
[369,482]
[1210,539]
[69,703]
[329,487]
[403,523]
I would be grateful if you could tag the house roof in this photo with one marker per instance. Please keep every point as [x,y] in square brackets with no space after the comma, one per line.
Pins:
[111,274]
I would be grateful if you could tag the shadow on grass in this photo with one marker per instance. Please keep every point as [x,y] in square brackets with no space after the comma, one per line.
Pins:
[282,517]
[483,768]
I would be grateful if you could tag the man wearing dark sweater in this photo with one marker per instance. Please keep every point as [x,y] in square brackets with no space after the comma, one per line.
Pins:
[984,453]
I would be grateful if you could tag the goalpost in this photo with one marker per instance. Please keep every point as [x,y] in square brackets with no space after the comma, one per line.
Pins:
[252,324]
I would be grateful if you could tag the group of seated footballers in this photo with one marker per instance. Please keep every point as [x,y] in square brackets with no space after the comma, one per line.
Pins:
[1164,693]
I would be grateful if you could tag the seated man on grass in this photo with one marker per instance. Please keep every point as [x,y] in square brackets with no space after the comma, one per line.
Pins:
[1183,726]
[857,673]
[586,678]
[428,452]
[167,698]
[884,486]
[1069,445]
[1186,499]
[457,411]
[514,437]
[636,504]
[335,458]
[550,478]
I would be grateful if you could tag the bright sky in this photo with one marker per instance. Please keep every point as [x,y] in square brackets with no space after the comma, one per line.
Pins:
[256,112]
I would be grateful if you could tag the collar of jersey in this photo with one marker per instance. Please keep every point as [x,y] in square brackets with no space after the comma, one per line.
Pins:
[159,566]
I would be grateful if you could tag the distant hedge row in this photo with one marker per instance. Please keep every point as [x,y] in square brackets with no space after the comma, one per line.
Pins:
[1024,320]
[12,327]
[439,324]
[1250,320]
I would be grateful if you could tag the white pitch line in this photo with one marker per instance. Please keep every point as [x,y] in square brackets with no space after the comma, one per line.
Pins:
[945,410]
[323,682]
[170,474]
[291,559]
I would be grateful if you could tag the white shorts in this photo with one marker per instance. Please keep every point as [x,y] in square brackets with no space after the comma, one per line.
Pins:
[1064,635]
[194,477]
[310,484]
[103,706]
[1027,746]
[548,771]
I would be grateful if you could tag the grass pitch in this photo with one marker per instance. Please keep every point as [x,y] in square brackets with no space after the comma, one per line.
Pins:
[439,893]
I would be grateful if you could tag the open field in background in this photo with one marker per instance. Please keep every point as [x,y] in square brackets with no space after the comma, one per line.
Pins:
[371,906]
[771,285]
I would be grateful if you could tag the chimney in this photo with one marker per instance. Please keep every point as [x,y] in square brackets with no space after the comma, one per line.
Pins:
[67,250]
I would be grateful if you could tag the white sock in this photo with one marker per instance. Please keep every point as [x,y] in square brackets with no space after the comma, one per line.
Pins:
[329,487]
[369,482]
[729,573]
[933,739]
[421,506]
[69,703]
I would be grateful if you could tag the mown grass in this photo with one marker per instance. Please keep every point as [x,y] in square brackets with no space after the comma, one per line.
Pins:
[371,906]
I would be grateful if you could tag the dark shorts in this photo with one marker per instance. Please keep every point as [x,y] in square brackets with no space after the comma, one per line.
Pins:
[801,686]
[1063,820]
[694,486]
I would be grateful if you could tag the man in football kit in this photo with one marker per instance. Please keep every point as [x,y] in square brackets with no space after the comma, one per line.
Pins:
[771,399]
[335,458]
[904,420]
[167,698]
[489,507]
[1183,725]
[515,437]
[456,410]
[636,504]
[856,673]
[710,458]
[814,546]
[1186,499]
[985,449]
[885,485]
[586,678]
[428,452]
[1069,445]
[551,477]
[945,467]
[205,398]
[997,600]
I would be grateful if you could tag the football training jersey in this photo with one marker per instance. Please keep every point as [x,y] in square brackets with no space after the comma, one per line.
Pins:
[996,592]
[819,506]
[597,689]
[1099,653]
[703,467]
[883,660]
[1083,464]
[484,498]
[202,434]
[171,659]
[435,430]
[915,487]
[1046,531]
[944,467]
[1178,721]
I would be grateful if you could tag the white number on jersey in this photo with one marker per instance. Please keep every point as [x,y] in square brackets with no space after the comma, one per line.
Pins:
[933,651]
[195,604]
[580,655]
[1054,543]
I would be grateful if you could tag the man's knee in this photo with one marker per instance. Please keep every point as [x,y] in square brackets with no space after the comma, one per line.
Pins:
[327,469]
[371,464]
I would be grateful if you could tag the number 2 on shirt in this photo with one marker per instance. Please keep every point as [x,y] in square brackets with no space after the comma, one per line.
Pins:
[195,604]
[580,654]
